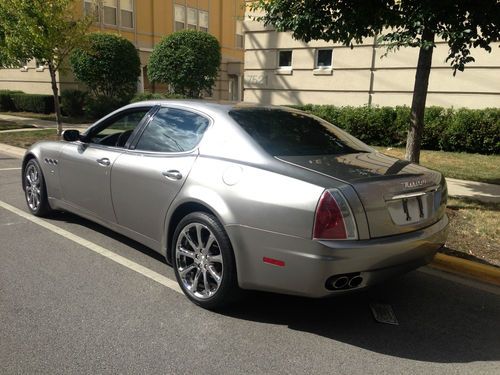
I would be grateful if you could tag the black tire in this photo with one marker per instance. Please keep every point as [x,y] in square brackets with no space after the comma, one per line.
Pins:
[37,201]
[225,292]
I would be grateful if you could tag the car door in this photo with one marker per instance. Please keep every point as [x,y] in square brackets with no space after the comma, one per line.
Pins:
[147,177]
[85,166]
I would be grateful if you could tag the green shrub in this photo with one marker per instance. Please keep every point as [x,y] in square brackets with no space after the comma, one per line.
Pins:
[6,103]
[109,66]
[33,103]
[72,102]
[188,61]
[447,129]
[96,107]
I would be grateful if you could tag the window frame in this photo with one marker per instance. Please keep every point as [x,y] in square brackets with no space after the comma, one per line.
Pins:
[200,11]
[117,24]
[130,11]
[184,21]
[195,18]
[316,58]
[138,135]
[284,67]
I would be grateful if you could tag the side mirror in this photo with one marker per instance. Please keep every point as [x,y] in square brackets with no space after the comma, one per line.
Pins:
[71,135]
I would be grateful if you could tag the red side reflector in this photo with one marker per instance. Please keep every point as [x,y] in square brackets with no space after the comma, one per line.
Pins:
[274,262]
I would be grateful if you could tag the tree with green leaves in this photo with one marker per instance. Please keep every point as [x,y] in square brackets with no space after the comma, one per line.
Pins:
[464,25]
[187,61]
[109,65]
[45,30]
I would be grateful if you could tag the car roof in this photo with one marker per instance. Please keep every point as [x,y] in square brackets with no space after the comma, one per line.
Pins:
[201,104]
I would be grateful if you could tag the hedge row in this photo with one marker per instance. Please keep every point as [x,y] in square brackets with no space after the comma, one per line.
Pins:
[447,129]
[6,103]
[18,101]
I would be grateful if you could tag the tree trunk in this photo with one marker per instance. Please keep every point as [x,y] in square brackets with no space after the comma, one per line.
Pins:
[55,91]
[416,128]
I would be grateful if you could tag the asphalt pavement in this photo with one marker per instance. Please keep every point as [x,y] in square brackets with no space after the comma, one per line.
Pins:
[78,298]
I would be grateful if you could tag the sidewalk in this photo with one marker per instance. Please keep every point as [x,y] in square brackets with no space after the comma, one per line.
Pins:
[40,124]
[488,193]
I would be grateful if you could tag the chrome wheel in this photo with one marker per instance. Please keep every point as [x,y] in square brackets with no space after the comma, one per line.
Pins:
[33,187]
[199,261]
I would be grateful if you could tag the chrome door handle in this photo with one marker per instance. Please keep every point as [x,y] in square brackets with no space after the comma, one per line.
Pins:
[172,175]
[104,161]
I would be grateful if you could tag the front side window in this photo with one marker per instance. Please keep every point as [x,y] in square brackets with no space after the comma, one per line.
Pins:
[110,8]
[180,17]
[127,13]
[288,133]
[284,59]
[324,58]
[117,131]
[173,130]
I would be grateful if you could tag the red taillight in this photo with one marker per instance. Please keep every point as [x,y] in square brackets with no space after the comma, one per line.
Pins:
[333,219]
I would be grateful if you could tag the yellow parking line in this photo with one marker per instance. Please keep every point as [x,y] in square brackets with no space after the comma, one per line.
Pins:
[10,169]
[165,281]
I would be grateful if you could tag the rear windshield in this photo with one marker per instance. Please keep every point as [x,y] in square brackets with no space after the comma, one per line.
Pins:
[288,133]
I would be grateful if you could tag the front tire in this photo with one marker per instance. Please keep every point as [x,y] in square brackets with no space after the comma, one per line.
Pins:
[203,261]
[35,189]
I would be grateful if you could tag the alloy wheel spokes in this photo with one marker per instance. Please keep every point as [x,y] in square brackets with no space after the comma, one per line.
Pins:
[32,186]
[199,260]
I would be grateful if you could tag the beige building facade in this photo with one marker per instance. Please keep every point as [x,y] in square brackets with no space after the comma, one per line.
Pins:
[281,70]
[145,23]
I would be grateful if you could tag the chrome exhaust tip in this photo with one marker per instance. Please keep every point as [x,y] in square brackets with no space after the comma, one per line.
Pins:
[340,282]
[355,281]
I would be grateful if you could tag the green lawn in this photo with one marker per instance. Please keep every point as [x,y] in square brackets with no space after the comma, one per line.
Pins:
[26,139]
[474,167]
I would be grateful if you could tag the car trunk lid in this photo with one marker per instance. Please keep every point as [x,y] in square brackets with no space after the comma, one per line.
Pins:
[398,196]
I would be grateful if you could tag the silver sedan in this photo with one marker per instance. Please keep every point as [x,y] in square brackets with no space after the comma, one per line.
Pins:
[244,197]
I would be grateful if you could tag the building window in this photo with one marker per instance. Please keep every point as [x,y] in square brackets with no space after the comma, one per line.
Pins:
[240,40]
[110,10]
[192,18]
[180,17]
[127,13]
[91,8]
[324,58]
[285,59]
[203,20]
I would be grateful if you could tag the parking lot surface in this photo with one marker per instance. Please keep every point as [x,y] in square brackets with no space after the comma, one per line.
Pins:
[76,297]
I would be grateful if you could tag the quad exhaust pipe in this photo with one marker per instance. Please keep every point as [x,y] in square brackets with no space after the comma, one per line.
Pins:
[343,282]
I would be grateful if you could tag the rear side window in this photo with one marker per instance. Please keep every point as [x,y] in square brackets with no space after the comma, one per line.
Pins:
[173,130]
[288,133]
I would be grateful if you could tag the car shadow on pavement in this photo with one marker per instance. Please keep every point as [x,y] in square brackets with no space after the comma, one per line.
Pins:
[74,219]
[439,321]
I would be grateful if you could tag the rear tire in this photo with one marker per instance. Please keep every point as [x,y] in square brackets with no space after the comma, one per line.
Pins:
[35,189]
[203,261]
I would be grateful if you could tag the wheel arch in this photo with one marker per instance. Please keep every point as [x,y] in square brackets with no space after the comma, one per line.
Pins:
[178,213]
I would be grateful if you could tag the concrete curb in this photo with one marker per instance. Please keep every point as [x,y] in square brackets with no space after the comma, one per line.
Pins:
[464,267]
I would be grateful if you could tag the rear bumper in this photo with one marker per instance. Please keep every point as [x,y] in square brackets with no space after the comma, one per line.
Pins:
[309,264]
